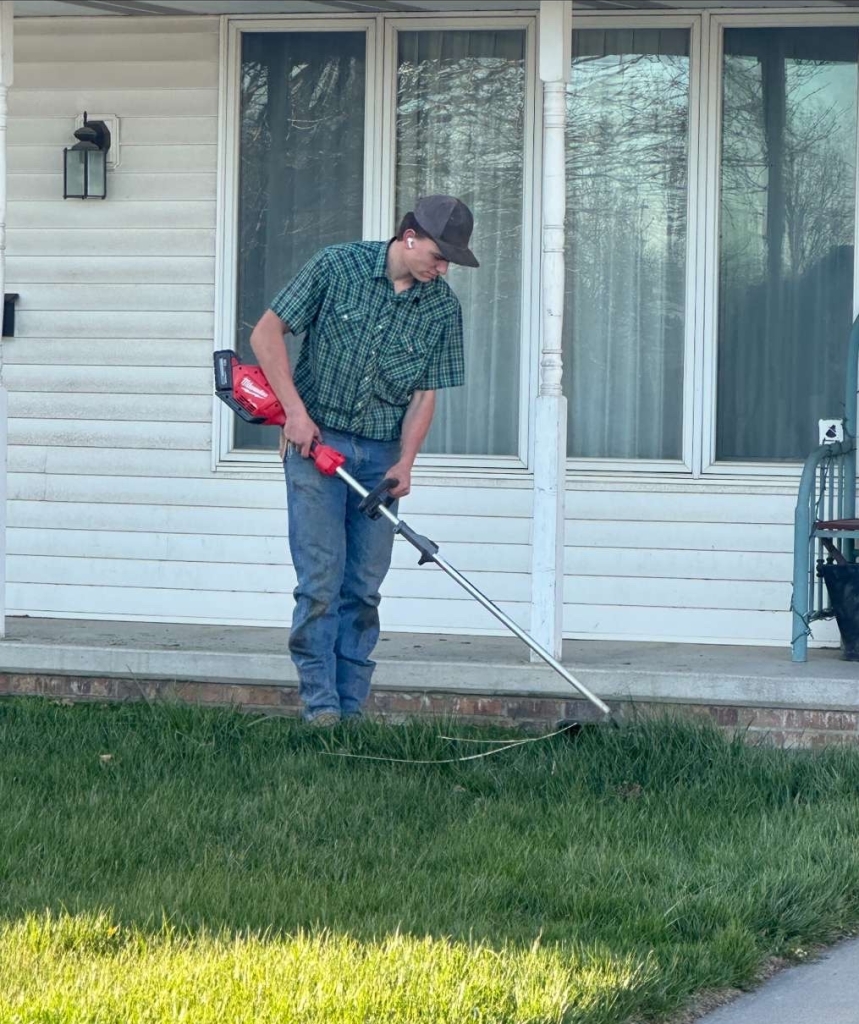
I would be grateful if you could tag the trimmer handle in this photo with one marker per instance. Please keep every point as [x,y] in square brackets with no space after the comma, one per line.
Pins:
[326,459]
[378,496]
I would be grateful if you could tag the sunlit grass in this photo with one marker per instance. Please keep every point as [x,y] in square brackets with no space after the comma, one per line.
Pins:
[86,969]
[167,863]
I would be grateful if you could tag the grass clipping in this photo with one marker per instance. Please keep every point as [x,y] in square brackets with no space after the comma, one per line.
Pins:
[166,863]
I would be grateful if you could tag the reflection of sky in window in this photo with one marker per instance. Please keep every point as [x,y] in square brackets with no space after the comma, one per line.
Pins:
[627,131]
[831,89]
[815,155]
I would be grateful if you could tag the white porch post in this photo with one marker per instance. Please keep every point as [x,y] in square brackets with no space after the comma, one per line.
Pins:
[6,67]
[550,449]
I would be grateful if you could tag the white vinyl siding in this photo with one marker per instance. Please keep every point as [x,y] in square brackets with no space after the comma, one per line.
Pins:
[696,566]
[109,372]
[115,511]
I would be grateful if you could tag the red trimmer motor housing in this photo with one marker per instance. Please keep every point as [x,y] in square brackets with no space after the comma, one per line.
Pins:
[246,390]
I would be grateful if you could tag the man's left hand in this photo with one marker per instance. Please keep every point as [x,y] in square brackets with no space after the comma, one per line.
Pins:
[401,471]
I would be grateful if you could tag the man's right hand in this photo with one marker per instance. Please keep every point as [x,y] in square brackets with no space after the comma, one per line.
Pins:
[299,430]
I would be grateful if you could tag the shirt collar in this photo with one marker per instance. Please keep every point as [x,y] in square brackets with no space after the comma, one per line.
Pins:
[380,269]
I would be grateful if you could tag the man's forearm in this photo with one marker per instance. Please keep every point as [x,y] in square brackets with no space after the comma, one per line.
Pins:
[416,424]
[267,342]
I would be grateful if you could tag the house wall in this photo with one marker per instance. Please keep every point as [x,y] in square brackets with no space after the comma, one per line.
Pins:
[697,562]
[115,511]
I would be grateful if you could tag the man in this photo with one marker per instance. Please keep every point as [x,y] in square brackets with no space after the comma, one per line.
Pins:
[384,333]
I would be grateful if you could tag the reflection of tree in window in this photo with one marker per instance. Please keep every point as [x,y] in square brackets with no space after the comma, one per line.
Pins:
[786,242]
[301,160]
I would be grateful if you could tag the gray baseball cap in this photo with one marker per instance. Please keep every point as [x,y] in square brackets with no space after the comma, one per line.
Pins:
[448,221]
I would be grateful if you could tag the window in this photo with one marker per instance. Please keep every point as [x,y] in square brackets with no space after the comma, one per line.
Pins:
[301,168]
[461,130]
[711,211]
[310,165]
[778,298]
[788,171]
[627,193]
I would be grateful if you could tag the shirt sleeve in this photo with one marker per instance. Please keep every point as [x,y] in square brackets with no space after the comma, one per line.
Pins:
[446,365]
[299,302]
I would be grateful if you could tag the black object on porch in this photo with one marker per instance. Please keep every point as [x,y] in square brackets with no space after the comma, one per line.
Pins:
[842,582]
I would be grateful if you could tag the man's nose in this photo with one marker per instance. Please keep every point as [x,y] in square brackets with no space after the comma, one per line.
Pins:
[443,266]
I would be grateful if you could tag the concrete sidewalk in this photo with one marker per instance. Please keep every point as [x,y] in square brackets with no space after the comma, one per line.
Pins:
[825,991]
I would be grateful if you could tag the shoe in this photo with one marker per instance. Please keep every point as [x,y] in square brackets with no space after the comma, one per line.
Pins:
[324,720]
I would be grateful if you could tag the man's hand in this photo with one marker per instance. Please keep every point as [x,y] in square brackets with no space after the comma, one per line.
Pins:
[416,423]
[401,471]
[301,431]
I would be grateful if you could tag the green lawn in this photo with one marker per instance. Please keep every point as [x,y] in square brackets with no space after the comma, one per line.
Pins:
[172,864]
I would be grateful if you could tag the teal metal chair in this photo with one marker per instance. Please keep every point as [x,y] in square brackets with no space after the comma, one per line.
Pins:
[825,523]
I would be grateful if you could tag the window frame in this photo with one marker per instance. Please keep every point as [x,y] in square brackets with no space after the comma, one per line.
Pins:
[381,32]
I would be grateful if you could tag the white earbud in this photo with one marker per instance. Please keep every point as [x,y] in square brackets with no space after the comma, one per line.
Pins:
[411,243]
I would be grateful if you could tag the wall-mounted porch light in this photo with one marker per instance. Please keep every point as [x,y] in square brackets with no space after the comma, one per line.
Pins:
[85,163]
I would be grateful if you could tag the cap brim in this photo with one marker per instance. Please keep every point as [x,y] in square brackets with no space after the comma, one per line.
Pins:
[453,254]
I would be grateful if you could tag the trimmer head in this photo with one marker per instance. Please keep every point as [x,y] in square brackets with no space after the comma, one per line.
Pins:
[572,729]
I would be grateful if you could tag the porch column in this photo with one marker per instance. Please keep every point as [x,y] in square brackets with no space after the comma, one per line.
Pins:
[6,67]
[550,447]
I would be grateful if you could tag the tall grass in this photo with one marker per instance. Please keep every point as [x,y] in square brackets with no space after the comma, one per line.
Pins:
[165,863]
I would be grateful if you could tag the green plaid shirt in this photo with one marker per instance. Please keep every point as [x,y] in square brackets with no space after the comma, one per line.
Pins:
[367,348]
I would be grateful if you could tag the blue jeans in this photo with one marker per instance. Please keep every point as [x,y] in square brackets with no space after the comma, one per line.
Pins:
[340,558]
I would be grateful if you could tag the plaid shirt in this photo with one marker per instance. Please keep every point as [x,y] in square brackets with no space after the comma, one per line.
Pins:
[367,348]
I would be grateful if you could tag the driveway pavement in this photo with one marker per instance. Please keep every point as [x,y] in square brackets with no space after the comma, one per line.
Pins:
[825,991]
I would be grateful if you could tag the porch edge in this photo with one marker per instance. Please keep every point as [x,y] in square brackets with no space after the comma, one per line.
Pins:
[777,726]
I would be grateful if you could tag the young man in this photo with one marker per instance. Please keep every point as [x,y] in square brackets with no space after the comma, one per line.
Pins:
[383,334]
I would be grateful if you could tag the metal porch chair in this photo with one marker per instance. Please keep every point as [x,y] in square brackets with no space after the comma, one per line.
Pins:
[825,523]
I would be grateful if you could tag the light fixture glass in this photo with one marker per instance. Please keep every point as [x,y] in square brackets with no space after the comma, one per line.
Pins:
[85,163]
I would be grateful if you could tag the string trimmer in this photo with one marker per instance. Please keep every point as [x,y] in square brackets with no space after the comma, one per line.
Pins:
[247,392]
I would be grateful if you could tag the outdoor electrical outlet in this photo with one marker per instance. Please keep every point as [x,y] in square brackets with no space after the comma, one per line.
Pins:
[831,431]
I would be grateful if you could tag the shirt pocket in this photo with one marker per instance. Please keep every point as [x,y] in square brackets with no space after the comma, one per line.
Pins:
[336,352]
[402,368]
[347,323]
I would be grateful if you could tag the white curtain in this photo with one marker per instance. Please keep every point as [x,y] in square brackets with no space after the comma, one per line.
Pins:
[787,222]
[460,130]
[627,185]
